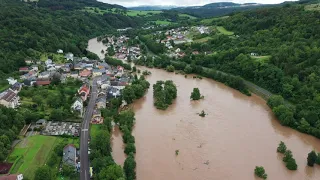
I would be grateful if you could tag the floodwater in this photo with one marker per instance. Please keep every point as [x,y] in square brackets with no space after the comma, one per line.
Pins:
[96,47]
[238,134]
[117,146]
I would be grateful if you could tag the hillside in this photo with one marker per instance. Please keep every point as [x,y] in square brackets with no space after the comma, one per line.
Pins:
[218,9]
[48,25]
[151,8]
[278,49]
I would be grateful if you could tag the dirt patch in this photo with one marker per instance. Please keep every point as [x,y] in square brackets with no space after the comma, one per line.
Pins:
[5,167]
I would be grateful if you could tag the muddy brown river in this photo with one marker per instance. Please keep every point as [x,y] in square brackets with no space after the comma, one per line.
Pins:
[238,134]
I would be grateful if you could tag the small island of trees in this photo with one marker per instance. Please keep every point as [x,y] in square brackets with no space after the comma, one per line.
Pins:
[288,158]
[260,172]
[195,95]
[164,93]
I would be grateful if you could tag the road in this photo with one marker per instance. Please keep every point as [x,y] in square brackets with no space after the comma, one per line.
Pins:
[84,158]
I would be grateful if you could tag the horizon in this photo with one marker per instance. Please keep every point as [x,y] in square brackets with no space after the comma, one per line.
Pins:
[187,3]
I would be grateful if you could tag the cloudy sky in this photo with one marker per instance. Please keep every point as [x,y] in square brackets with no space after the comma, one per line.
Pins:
[131,3]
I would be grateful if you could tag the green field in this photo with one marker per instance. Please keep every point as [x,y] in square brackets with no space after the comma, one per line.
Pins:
[57,58]
[159,22]
[209,20]
[31,153]
[261,58]
[142,13]
[312,7]
[224,31]
[94,129]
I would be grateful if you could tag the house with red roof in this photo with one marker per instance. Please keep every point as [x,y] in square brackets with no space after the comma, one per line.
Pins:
[43,83]
[12,177]
[84,91]
[24,69]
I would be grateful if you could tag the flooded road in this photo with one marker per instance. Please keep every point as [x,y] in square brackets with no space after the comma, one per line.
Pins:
[238,134]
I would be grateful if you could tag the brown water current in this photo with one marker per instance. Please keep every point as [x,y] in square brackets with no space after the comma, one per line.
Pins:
[238,134]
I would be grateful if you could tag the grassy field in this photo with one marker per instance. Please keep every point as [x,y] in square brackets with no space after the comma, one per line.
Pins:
[261,58]
[33,152]
[159,22]
[224,31]
[142,13]
[94,129]
[57,58]
[312,7]
[209,20]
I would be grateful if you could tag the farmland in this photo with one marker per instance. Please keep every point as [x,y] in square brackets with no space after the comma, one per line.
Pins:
[224,31]
[33,152]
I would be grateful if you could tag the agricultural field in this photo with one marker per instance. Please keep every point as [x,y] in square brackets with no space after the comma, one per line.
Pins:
[261,58]
[160,22]
[312,7]
[142,13]
[57,58]
[33,152]
[224,31]
[210,20]
[205,39]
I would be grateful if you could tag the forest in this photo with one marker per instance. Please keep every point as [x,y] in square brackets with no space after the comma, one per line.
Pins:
[289,37]
[30,28]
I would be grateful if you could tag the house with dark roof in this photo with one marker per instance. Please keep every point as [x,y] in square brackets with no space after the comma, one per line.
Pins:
[70,155]
[16,87]
[9,98]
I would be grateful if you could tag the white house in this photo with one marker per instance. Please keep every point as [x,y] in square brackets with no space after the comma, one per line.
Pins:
[11,80]
[178,50]
[48,62]
[254,54]
[60,51]
[69,56]
[77,105]
[44,75]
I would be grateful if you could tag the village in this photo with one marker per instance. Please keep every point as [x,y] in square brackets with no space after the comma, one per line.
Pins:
[119,48]
[180,35]
[111,80]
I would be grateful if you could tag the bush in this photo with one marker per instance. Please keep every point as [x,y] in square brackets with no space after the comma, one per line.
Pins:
[260,172]
[195,94]
[312,158]
[170,68]
[130,148]
[282,148]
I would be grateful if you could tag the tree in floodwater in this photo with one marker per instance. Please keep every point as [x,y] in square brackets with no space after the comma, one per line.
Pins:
[195,94]
[260,172]
[282,148]
[164,93]
[312,157]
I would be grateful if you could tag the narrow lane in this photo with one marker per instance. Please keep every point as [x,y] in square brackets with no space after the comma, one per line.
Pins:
[84,158]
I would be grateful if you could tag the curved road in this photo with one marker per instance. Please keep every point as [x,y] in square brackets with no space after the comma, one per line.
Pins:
[84,158]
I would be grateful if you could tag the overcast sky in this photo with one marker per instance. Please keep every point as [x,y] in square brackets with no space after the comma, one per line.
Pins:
[131,3]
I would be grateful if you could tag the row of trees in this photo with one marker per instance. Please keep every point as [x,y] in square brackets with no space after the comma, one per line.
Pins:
[187,66]
[288,158]
[100,157]
[164,92]
[11,122]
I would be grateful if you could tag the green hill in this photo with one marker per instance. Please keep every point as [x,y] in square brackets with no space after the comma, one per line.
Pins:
[49,25]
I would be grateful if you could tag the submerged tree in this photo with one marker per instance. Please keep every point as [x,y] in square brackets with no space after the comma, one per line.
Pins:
[312,157]
[195,95]
[282,148]
[260,172]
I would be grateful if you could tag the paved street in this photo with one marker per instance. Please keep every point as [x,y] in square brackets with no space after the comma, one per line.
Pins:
[84,159]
